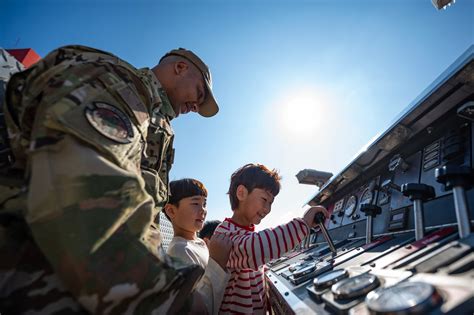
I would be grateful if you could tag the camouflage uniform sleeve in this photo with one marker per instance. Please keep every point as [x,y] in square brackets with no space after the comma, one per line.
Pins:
[87,205]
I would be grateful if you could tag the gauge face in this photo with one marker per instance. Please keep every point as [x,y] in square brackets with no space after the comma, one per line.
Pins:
[351,205]
[329,278]
[405,297]
[367,196]
[384,198]
[355,286]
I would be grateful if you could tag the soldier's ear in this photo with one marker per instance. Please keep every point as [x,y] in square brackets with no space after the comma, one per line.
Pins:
[241,192]
[180,67]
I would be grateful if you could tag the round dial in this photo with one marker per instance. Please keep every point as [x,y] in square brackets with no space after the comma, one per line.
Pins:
[404,298]
[329,278]
[355,286]
[367,196]
[351,205]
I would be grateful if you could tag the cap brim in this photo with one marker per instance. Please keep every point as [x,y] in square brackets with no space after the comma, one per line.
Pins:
[209,108]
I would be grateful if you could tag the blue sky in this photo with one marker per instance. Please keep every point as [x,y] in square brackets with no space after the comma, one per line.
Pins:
[301,84]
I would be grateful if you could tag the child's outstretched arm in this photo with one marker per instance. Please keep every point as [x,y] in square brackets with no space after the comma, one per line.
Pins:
[252,250]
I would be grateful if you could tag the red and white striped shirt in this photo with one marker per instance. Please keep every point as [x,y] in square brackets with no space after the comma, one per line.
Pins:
[245,292]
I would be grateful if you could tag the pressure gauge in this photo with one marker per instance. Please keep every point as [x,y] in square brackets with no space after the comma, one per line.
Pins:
[404,298]
[355,287]
[351,205]
[367,196]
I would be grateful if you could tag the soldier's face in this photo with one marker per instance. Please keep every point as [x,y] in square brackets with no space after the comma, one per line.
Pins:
[191,213]
[189,91]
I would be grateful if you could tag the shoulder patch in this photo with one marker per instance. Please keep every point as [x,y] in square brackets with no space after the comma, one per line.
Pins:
[110,122]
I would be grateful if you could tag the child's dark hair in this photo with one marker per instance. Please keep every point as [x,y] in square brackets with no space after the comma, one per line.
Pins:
[253,176]
[208,228]
[183,188]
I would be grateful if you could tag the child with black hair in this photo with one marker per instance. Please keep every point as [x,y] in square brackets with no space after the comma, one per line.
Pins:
[208,230]
[186,209]
[252,190]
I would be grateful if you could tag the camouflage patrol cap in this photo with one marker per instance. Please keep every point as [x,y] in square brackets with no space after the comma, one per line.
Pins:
[209,108]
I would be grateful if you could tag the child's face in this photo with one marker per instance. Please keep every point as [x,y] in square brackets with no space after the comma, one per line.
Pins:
[190,213]
[255,205]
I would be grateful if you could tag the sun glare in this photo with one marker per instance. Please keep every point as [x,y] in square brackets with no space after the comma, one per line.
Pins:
[301,111]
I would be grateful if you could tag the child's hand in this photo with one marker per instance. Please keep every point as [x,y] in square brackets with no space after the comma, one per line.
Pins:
[308,216]
[219,248]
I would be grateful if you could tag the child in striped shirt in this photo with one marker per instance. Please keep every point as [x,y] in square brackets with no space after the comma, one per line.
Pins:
[252,190]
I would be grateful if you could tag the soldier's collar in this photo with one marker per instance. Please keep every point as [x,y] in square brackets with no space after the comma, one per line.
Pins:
[160,98]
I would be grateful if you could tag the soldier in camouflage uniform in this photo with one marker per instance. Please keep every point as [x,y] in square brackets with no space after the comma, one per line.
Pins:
[91,147]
